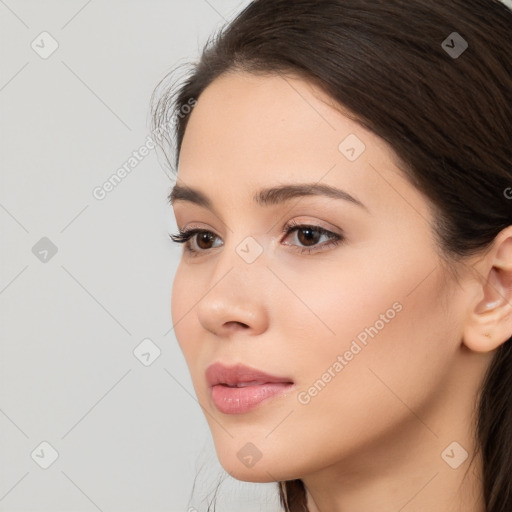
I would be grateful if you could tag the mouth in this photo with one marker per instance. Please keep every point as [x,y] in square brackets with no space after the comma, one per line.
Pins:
[239,389]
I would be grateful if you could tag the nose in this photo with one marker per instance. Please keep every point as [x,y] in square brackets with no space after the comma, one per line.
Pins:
[235,299]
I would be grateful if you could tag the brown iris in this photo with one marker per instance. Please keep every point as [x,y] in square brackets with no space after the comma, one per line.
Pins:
[309,237]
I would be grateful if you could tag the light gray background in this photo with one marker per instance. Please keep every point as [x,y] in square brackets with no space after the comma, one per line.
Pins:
[129,437]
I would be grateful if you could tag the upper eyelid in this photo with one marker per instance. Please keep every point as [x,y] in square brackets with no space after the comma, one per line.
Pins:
[290,226]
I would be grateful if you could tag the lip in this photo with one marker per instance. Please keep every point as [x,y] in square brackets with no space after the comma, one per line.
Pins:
[218,373]
[241,400]
[229,399]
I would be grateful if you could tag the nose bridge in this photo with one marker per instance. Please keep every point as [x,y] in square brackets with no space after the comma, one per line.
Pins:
[240,268]
[236,289]
[243,253]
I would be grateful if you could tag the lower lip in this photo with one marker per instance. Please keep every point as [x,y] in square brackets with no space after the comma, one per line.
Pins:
[239,400]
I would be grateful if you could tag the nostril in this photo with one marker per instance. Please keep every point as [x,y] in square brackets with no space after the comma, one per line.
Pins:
[235,324]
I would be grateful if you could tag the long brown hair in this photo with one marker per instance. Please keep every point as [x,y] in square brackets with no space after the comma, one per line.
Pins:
[432,78]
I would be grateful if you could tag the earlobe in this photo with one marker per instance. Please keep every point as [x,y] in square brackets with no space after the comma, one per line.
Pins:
[489,324]
[483,333]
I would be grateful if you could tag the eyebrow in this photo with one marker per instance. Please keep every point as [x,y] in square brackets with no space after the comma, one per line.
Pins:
[267,196]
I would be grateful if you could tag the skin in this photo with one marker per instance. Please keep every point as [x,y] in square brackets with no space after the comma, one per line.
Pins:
[372,438]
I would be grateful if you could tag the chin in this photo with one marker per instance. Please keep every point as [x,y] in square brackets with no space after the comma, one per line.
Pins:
[255,475]
[263,470]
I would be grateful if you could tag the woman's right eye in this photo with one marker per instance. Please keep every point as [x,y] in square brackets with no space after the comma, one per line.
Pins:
[187,235]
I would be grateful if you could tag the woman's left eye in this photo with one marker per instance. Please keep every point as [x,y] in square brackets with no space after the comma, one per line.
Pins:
[307,235]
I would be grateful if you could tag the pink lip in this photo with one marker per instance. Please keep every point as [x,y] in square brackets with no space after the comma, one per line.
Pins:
[238,400]
[217,373]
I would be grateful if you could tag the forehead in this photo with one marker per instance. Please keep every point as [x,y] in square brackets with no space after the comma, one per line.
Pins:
[259,123]
[248,132]
[241,111]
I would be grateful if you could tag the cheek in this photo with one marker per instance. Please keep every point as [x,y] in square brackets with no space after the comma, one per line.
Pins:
[388,327]
[183,298]
[335,300]
[186,292]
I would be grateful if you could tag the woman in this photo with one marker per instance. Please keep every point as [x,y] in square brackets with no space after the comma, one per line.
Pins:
[344,298]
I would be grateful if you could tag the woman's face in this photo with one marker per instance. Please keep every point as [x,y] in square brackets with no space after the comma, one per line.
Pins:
[367,329]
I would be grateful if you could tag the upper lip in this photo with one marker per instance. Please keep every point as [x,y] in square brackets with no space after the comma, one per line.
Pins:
[217,373]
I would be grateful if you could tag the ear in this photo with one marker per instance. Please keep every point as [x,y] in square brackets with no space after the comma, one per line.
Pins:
[489,322]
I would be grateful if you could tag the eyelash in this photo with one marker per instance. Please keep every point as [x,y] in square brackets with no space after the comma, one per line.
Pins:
[183,237]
